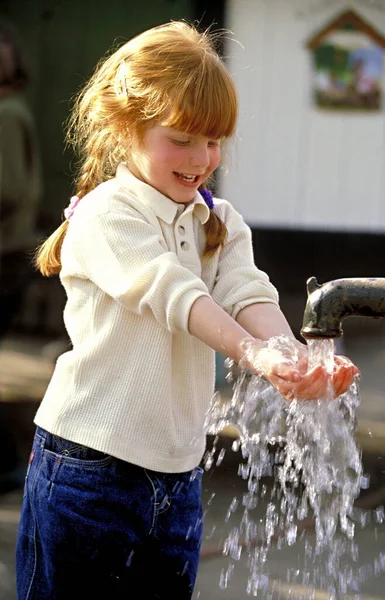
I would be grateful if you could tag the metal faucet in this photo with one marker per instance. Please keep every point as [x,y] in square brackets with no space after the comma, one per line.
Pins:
[328,304]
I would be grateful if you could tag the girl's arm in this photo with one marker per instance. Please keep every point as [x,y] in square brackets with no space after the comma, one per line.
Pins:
[264,320]
[213,326]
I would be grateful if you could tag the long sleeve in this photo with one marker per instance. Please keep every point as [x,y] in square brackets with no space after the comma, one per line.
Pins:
[239,282]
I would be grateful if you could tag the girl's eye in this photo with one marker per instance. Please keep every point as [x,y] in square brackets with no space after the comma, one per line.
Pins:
[180,142]
[214,143]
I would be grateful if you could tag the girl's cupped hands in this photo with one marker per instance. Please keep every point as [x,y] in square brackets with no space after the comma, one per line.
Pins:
[284,362]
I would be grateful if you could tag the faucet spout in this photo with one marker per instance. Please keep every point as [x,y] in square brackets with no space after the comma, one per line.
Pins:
[328,304]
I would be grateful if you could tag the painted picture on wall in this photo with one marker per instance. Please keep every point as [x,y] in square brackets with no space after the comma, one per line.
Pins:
[348,57]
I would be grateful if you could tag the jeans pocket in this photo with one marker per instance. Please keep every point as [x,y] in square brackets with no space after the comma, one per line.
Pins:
[64,450]
[67,448]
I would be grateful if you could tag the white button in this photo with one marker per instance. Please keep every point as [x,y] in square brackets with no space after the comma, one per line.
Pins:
[184,245]
[181,230]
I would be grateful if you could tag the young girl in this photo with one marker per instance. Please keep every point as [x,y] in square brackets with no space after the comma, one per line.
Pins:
[158,276]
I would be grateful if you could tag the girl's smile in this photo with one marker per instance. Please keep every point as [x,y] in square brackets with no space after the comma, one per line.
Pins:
[187,179]
[173,162]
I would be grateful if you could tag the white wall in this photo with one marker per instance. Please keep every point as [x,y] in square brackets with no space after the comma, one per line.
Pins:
[293,165]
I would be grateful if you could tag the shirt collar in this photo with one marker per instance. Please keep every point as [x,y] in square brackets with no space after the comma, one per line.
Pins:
[163,207]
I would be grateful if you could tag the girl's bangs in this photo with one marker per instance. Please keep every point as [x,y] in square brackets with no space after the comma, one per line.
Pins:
[209,110]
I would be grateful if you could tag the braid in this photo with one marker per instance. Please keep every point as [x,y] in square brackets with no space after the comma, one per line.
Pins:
[47,258]
[48,255]
[216,233]
[102,158]
[89,177]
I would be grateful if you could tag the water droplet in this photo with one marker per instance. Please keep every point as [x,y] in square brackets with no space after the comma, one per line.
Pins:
[226,576]
[379,514]
[194,442]
[185,567]
[129,559]
[232,508]
[221,456]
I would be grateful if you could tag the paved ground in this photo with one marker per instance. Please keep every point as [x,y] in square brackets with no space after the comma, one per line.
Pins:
[24,373]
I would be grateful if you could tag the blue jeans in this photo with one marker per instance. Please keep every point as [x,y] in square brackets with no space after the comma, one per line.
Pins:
[95,527]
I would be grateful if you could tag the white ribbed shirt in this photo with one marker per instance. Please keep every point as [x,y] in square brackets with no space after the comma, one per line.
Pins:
[136,384]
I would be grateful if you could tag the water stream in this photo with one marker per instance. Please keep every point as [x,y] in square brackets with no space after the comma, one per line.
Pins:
[308,450]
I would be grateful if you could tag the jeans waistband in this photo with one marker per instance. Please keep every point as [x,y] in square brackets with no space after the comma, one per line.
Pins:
[59,445]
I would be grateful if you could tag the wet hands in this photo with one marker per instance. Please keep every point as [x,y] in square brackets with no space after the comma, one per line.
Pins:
[343,374]
[284,362]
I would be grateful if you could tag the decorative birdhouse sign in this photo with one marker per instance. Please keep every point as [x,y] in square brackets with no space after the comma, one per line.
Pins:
[348,62]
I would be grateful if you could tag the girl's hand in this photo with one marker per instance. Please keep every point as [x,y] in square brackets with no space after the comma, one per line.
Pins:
[286,368]
[343,375]
[310,386]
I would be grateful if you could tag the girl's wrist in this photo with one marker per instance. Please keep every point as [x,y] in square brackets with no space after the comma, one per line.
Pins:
[249,349]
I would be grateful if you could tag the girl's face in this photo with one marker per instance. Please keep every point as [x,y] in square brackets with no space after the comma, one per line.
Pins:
[173,162]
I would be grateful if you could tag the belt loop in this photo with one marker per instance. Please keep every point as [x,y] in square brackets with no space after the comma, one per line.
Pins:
[43,436]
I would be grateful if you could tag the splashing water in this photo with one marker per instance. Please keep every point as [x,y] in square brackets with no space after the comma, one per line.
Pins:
[309,449]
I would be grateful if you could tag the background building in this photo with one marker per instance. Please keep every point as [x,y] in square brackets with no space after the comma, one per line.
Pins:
[309,180]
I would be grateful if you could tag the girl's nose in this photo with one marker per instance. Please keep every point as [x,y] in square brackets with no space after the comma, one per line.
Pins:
[200,157]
